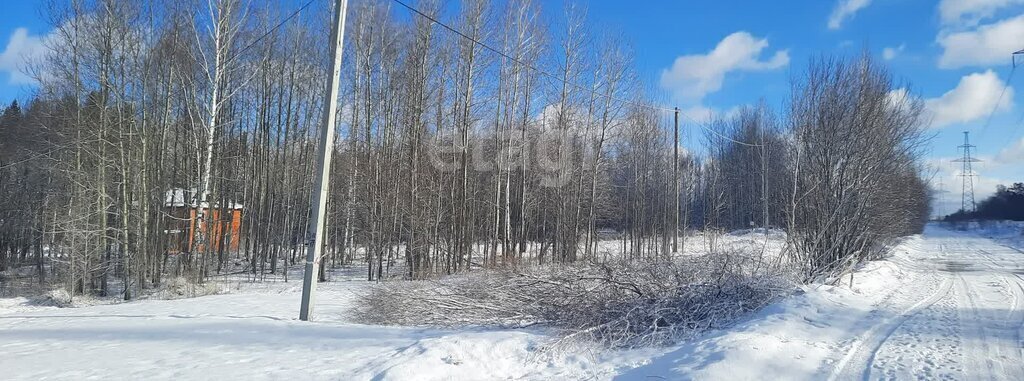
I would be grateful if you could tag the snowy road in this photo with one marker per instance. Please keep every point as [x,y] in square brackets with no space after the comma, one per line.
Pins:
[960,317]
[944,306]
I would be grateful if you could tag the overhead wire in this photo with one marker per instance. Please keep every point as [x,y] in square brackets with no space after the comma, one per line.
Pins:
[1016,126]
[1016,129]
[1013,133]
[31,157]
[995,107]
[270,31]
[557,78]
[506,56]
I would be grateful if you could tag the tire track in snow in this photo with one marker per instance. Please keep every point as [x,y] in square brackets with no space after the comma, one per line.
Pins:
[987,354]
[856,364]
[1017,316]
[1018,281]
[975,344]
[1014,319]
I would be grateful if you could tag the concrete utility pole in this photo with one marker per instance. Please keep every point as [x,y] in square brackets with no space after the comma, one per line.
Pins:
[315,231]
[675,173]
[967,173]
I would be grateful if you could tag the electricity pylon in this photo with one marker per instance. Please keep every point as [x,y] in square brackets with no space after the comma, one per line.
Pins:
[967,203]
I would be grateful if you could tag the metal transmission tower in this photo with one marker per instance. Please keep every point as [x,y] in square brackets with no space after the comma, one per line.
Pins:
[967,173]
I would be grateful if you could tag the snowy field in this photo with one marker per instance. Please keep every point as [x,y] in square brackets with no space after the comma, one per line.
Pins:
[946,305]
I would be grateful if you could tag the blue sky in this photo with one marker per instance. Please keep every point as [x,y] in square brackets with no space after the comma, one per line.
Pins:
[712,56]
[953,53]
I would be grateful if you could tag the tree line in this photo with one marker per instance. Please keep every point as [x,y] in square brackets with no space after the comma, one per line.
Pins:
[1006,204]
[449,157]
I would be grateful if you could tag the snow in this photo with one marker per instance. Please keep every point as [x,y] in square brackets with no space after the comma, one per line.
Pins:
[255,336]
[18,304]
[945,305]
[1005,232]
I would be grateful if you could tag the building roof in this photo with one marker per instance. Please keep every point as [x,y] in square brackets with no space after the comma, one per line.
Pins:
[180,197]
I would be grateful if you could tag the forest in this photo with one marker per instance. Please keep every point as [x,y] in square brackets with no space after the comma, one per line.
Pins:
[449,159]
[1006,204]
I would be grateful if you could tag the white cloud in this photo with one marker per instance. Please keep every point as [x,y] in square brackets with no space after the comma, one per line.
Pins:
[845,9]
[1013,154]
[988,44]
[972,99]
[970,12]
[698,113]
[948,182]
[22,48]
[890,53]
[704,114]
[692,77]
[899,98]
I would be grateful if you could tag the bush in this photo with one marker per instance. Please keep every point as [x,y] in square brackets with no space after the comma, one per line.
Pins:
[180,287]
[857,162]
[621,304]
[57,298]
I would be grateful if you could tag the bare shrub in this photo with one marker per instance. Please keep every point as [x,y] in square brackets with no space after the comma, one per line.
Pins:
[857,181]
[56,298]
[181,287]
[620,304]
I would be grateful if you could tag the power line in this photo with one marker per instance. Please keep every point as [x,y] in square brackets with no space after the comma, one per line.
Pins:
[718,134]
[34,156]
[999,101]
[557,78]
[967,173]
[528,65]
[1016,126]
[271,30]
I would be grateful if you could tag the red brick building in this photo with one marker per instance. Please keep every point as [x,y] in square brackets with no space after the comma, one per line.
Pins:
[225,223]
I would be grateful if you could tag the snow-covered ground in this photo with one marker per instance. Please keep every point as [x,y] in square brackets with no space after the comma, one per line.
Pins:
[947,305]
[255,335]
[1005,232]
